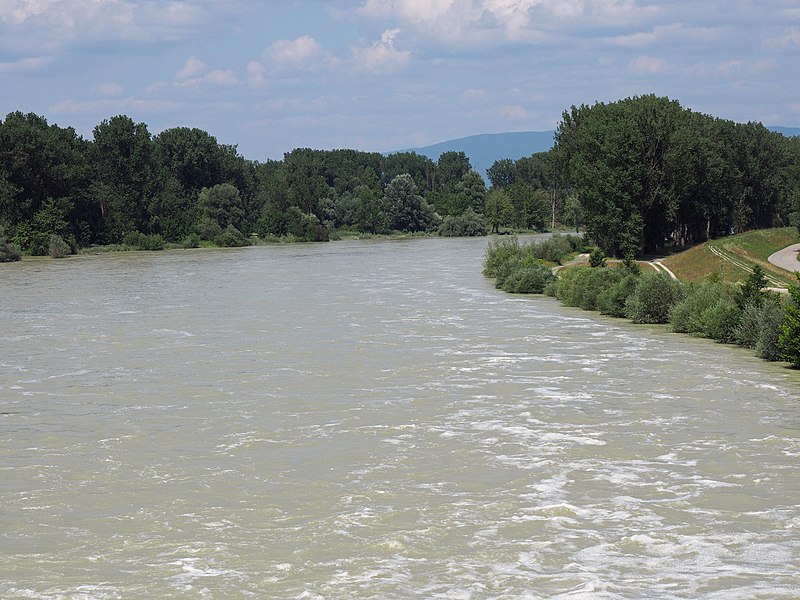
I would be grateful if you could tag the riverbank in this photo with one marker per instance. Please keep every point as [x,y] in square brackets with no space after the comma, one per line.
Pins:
[747,315]
[149,244]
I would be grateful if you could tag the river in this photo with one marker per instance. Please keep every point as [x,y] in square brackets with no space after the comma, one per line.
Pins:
[372,419]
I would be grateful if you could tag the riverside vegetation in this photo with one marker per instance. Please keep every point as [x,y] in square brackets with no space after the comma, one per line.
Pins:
[638,175]
[746,314]
[128,189]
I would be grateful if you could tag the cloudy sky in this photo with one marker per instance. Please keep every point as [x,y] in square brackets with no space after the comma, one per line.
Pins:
[270,76]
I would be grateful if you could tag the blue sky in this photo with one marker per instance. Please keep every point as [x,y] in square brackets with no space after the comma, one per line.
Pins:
[389,74]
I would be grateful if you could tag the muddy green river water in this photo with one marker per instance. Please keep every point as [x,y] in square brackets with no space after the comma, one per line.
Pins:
[373,419]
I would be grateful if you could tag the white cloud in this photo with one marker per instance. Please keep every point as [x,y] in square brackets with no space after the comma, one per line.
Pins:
[195,73]
[222,78]
[218,78]
[57,23]
[476,21]
[193,67]
[674,33]
[648,65]
[302,53]
[513,15]
[112,105]
[255,74]
[381,56]
[19,11]
[25,64]
[109,89]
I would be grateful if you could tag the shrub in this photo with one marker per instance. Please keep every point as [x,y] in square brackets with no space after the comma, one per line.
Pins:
[687,315]
[652,299]
[305,227]
[557,247]
[567,287]
[498,251]
[142,241]
[597,258]
[31,240]
[708,309]
[190,241]
[469,223]
[592,283]
[8,252]
[721,319]
[57,247]
[611,301]
[514,263]
[582,286]
[747,331]
[528,279]
[231,238]
[789,338]
[207,228]
[760,327]
[770,322]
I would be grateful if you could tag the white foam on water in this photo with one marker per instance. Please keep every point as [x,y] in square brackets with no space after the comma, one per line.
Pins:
[194,570]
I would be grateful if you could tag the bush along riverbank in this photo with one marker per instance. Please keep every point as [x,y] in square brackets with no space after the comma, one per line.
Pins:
[747,314]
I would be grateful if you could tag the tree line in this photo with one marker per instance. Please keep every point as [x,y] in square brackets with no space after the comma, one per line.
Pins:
[126,185]
[638,175]
[648,173]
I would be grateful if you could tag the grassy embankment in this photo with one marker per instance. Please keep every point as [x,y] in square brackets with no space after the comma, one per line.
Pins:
[729,257]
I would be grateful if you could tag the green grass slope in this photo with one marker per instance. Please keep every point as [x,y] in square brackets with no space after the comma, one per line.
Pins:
[731,258]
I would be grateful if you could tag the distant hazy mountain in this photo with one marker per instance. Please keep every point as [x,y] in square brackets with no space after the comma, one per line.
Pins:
[483,150]
[787,131]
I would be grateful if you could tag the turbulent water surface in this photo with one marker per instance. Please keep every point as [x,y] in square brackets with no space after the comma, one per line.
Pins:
[374,420]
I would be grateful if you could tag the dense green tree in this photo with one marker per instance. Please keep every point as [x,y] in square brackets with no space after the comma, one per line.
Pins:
[124,175]
[498,210]
[173,213]
[573,213]
[603,166]
[223,205]
[647,173]
[421,168]
[752,290]
[40,163]
[468,194]
[531,206]
[305,180]
[502,173]
[192,156]
[370,211]
[700,173]
[8,195]
[406,209]
[536,170]
[650,173]
[345,170]
[451,167]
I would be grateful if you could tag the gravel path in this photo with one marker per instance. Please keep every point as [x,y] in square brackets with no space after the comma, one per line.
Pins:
[786,258]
